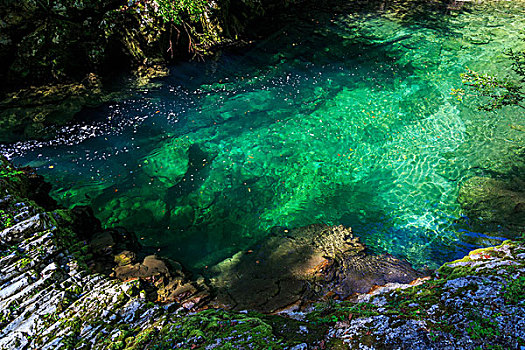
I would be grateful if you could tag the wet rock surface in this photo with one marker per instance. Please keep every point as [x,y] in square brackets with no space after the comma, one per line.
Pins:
[27,112]
[303,264]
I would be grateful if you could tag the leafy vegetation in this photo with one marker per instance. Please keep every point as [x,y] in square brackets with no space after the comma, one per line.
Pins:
[176,11]
[9,172]
[515,290]
[6,219]
[332,312]
[184,20]
[482,328]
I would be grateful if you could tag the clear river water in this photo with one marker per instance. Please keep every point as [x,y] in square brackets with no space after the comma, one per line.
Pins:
[342,117]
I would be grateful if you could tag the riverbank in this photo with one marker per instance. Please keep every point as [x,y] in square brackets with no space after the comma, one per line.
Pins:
[68,283]
[59,58]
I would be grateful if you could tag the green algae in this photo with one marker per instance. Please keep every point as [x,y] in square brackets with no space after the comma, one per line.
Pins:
[352,124]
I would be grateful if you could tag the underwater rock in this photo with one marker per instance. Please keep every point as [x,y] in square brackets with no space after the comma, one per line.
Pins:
[170,283]
[169,163]
[307,263]
[494,201]
[125,258]
[149,268]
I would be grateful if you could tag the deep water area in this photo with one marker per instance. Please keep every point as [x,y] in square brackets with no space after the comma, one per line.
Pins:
[337,118]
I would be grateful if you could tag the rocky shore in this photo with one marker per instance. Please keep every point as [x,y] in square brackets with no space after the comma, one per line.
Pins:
[67,284]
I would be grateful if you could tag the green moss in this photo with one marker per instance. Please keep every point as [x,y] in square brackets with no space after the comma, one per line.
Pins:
[332,312]
[6,219]
[142,339]
[425,295]
[229,330]
[293,331]
[22,263]
[480,328]
[71,340]
[10,173]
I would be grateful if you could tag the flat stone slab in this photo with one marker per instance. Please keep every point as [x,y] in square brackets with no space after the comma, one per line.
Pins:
[294,266]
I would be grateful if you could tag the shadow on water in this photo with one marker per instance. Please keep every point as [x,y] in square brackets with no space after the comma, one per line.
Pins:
[194,177]
[292,266]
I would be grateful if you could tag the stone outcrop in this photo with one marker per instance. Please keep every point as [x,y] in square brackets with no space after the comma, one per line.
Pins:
[307,263]
[476,302]
[51,294]
[27,112]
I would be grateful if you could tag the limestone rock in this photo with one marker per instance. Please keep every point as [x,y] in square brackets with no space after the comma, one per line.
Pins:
[48,296]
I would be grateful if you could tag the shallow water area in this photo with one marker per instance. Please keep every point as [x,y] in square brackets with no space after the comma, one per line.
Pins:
[340,118]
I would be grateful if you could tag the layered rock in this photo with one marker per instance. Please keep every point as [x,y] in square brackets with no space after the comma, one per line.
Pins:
[51,295]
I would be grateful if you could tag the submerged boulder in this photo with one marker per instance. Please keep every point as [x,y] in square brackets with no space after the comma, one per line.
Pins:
[295,266]
[169,163]
[494,201]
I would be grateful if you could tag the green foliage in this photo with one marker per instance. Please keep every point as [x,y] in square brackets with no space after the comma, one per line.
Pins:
[183,20]
[515,290]
[6,219]
[22,263]
[177,11]
[483,329]
[518,63]
[501,92]
[9,172]
[331,312]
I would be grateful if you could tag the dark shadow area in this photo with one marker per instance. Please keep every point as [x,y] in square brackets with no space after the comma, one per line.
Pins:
[194,177]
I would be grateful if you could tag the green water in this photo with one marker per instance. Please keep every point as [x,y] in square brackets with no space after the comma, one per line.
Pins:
[342,118]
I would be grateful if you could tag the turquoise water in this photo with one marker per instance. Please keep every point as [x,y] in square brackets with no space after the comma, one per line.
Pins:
[341,118]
